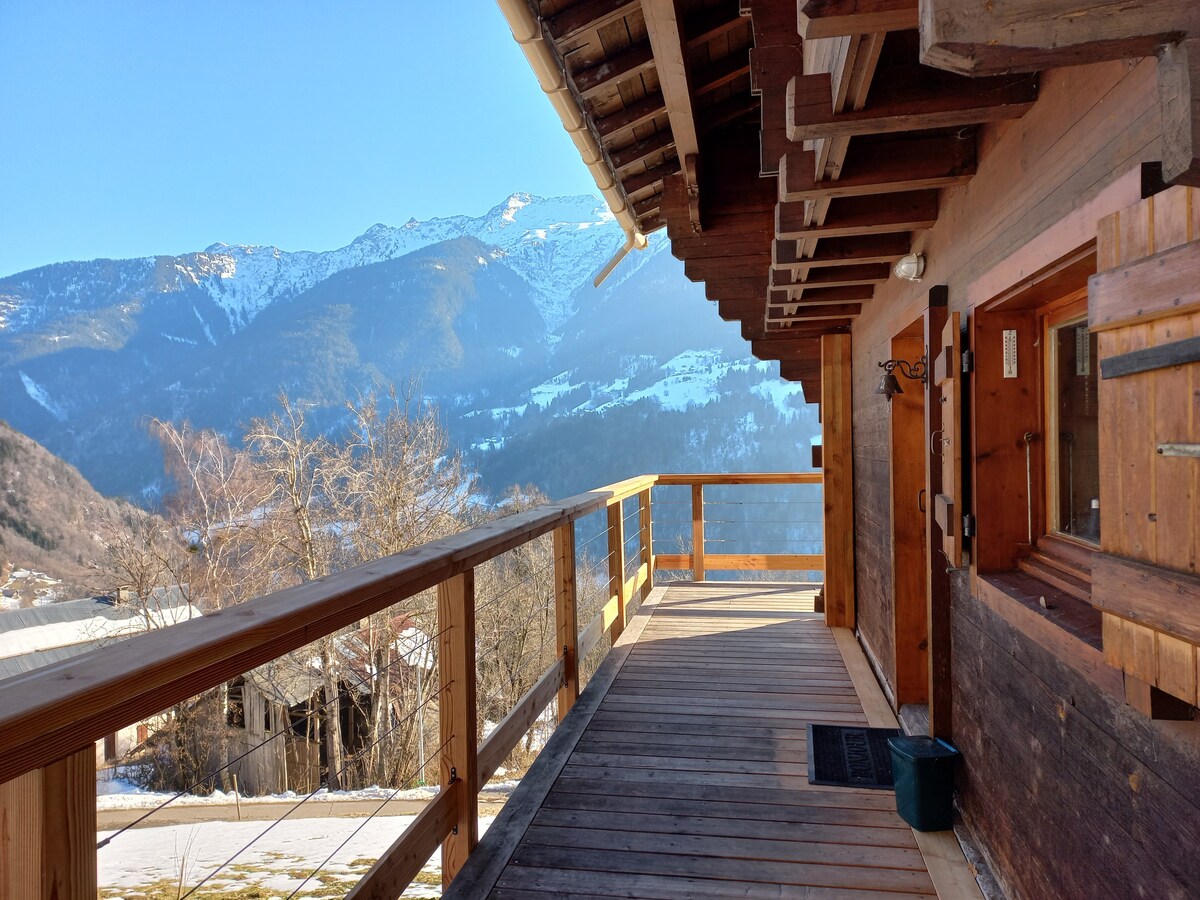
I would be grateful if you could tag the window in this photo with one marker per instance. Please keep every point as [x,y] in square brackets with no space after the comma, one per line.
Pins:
[1072,427]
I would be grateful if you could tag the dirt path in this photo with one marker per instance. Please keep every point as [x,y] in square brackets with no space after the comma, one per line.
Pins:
[112,819]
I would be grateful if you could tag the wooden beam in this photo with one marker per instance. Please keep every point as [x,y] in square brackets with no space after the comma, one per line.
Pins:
[837,445]
[839,276]
[787,347]
[457,715]
[647,205]
[48,831]
[881,166]
[612,72]
[650,177]
[666,37]
[637,113]
[635,153]
[803,313]
[790,296]
[566,615]
[697,532]
[715,22]
[907,211]
[987,37]
[710,118]
[837,251]
[722,72]
[841,18]
[588,15]
[752,287]
[906,98]
[1179,102]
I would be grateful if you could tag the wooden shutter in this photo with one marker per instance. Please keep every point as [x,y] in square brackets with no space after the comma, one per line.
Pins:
[947,505]
[1145,306]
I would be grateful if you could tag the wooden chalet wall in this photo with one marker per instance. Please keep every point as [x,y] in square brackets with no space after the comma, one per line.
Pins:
[1073,792]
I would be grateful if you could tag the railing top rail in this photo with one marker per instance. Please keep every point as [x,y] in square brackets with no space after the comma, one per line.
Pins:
[741,478]
[56,710]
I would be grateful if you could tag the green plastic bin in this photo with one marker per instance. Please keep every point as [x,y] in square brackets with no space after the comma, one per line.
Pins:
[923,771]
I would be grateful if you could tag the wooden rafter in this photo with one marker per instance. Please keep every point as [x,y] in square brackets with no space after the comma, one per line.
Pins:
[842,18]
[713,23]
[588,15]
[909,211]
[634,153]
[870,248]
[666,37]
[880,166]
[651,177]
[791,296]
[613,71]
[909,98]
[628,117]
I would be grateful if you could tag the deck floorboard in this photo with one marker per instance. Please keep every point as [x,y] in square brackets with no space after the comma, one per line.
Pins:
[690,777]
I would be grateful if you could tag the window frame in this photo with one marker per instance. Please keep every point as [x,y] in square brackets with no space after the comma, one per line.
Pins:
[1071,309]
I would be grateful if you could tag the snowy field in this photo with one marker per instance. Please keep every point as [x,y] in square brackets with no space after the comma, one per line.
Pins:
[280,861]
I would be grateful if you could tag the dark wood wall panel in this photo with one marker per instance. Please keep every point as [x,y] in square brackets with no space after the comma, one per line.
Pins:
[1073,793]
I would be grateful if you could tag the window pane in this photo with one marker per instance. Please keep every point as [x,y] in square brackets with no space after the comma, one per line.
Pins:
[1078,476]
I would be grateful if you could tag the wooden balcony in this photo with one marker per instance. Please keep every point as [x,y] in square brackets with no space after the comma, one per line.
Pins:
[679,771]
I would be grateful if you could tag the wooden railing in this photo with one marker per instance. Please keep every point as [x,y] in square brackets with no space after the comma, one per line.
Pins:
[51,718]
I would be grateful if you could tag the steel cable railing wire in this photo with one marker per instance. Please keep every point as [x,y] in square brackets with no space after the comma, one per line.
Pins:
[407,782]
[354,758]
[278,734]
[307,717]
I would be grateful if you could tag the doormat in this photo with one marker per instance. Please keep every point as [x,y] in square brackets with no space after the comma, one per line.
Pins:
[850,756]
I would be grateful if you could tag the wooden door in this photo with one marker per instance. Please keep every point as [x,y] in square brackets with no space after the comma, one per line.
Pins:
[947,504]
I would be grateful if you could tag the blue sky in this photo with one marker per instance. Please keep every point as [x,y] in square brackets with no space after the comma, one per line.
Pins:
[141,128]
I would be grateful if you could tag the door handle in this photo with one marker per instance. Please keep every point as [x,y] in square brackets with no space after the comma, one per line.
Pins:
[921,500]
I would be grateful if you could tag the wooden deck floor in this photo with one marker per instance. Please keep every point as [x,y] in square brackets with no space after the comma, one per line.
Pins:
[682,770]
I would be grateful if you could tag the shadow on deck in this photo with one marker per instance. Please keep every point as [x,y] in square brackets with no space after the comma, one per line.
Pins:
[681,771]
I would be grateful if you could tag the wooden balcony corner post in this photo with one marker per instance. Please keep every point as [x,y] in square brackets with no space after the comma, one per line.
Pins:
[456,714]
[698,532]
[48,831]
[646,538]
[566,615]
[616,568]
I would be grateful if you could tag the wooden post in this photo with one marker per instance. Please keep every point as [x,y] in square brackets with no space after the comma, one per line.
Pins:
[48,831]
[456,714]
[837,455]
[646,536]
[566,615]
[698,532]
[616,568]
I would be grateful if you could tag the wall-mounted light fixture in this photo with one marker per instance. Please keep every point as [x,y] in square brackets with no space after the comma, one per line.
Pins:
[889,384]
[910,267]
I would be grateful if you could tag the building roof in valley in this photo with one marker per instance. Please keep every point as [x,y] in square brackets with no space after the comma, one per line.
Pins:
[35,637]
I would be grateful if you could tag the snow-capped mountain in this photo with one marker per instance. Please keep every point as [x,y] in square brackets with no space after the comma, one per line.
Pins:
[535,370]
[552,243]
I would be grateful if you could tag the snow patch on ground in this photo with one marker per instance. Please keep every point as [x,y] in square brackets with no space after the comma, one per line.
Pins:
[280,857]
[42,398]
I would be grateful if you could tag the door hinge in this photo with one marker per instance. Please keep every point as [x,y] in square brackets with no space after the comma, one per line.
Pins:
[968,362]
[968,526]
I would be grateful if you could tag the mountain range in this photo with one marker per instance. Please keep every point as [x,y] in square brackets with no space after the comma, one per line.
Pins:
[540,377]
